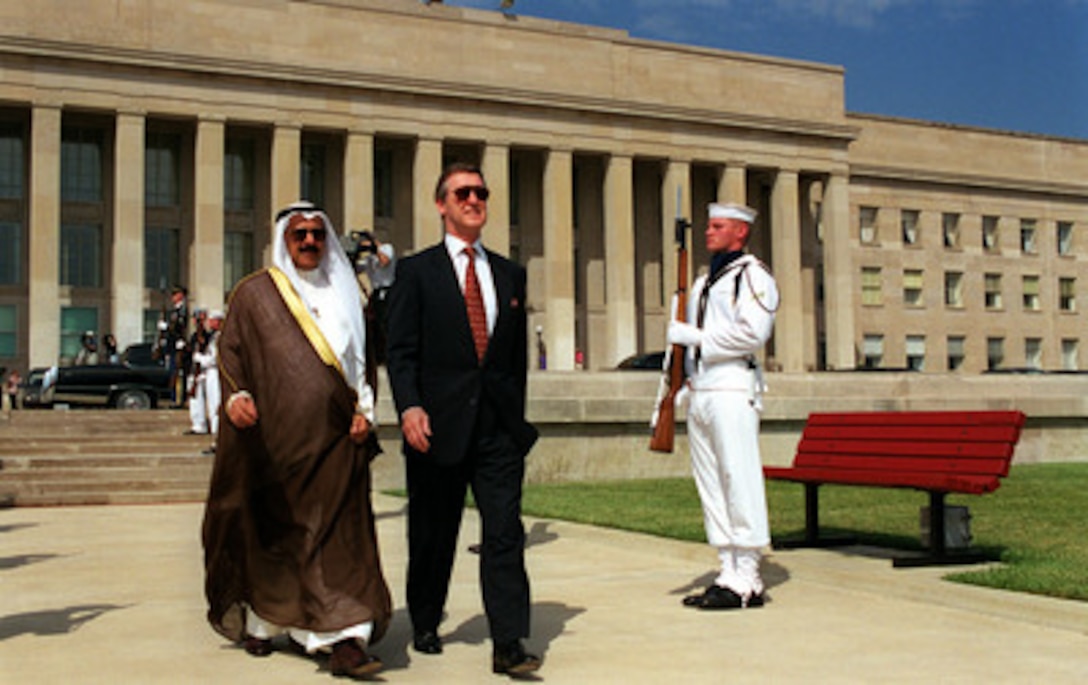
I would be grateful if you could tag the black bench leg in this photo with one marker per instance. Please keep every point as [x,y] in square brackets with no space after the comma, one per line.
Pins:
[812,514]
[812,525]
[938,552]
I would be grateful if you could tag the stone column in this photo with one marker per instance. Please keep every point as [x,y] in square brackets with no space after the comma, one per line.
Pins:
[43,235]
[496,168]
[426,224]
[619,251]
[358,181]
[733,185]
[128,228]
[206,262]
[286,165]
[786,252]
[838,274]
[559,258]
[675,188]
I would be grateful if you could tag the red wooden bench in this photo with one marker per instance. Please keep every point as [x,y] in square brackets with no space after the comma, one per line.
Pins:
[938,452]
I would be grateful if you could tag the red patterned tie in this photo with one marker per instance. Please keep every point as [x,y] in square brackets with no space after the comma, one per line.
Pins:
[474,303]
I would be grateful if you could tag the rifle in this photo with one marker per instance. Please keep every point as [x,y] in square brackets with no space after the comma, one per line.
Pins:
[665,427]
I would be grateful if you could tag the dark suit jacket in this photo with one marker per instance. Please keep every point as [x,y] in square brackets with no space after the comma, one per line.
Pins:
[432,362]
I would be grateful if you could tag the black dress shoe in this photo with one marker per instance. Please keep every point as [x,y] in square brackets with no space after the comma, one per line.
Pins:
[696,599]
[427,642]
[717,597]
[512,659]
[256,646]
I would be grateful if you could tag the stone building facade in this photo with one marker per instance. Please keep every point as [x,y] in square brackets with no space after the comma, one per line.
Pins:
[145,143]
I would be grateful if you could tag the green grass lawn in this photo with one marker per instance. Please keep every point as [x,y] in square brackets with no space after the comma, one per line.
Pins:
[1035,522]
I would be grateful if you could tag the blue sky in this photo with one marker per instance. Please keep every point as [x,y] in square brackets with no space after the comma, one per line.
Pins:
[1017,65]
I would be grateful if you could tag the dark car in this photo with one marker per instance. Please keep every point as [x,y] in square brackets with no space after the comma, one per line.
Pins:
[647,361]
[139,381]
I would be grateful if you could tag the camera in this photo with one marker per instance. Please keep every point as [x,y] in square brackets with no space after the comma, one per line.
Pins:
[358,244]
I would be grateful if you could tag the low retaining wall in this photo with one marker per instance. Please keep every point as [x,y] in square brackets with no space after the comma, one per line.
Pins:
[594,425]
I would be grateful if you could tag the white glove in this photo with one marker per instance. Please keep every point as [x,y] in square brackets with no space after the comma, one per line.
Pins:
[681,333]
[682,398]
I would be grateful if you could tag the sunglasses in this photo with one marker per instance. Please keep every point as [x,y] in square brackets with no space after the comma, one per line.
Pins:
[299,234]
[463,192]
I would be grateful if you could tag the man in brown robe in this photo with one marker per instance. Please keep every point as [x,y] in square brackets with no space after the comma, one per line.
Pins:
[289,539]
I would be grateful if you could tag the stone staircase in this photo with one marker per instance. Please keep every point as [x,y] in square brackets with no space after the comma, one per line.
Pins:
[101,456]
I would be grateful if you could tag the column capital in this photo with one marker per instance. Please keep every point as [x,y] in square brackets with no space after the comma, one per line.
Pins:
[287,124]
[211,118]
[361,131]
[132,112]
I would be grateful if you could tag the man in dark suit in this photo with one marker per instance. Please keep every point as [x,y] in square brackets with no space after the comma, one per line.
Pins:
[457,360]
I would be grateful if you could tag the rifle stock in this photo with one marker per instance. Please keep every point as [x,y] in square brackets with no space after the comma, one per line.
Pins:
[665,429]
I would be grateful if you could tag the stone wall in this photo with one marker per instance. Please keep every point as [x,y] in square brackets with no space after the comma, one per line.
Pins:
[594,426]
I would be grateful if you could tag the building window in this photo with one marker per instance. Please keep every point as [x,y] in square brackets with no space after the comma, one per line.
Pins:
[871,286]
[1069,354]
[12,162]
[990,235]
[312,171]
[995,353]
[162,170]
[1067,294]
[912,287]
[383,183]
[956,348]
[916,352]
[238,172]
[867,225]
[237,257]
[993,291]
[953,288]
[8,330]
[151,322]
[1031,293]
[1065,238]
[908,221]
[74,322]
[162,257]
[1027,236]
[1033,353]
[81,255]
[950,228]
[872,350]
[81,162]
[11,257]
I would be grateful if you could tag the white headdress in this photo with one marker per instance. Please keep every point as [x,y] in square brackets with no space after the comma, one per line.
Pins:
[341,278]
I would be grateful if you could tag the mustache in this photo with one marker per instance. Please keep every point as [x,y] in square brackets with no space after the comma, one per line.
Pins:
[308,248]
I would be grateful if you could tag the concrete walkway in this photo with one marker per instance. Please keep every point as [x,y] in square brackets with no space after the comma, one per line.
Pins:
[114,595]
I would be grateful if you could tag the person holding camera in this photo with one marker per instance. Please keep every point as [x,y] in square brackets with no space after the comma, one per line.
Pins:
[378,261]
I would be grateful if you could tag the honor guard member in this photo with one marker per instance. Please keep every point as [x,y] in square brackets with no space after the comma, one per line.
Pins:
[730,318]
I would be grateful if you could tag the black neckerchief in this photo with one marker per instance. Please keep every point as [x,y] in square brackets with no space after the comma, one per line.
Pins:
[718,264]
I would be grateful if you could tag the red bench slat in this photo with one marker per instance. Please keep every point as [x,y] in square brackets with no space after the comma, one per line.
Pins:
[965,484]
[916,433]
[933,418]
[905,448]
[979,467]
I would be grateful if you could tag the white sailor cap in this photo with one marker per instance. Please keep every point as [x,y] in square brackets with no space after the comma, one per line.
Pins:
[731,210]
[216,314]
